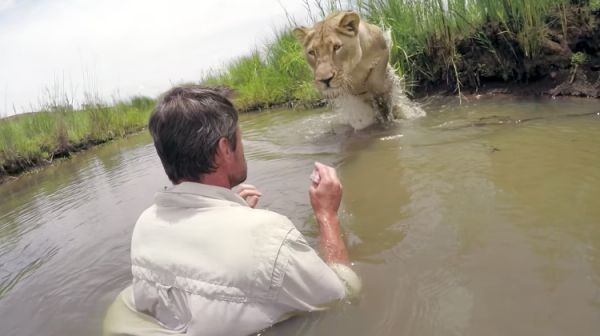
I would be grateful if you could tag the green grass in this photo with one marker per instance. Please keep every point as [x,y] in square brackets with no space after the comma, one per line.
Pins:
[426,33]
[275,75]
[29,139]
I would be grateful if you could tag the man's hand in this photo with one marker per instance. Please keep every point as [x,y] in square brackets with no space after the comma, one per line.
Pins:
[250,194]
[325,198]
[325,191]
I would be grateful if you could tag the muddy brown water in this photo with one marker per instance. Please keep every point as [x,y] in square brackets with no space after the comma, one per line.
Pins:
[480,219]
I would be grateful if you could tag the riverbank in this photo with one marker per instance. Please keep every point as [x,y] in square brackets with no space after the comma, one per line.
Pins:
[564,60]
[546,47]
[523,47]
[33,140]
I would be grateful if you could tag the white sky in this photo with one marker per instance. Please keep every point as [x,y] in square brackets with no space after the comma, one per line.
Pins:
[121,48]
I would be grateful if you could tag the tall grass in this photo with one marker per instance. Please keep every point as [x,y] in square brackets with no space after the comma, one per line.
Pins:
[30,139]
[274,75]
[426,33]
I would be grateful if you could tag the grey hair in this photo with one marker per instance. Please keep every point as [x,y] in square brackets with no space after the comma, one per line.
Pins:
[186,126]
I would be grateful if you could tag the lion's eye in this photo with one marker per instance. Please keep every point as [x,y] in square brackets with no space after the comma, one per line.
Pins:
[312,53]
[337,47]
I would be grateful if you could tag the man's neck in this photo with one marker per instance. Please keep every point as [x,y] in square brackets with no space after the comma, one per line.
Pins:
[216,179]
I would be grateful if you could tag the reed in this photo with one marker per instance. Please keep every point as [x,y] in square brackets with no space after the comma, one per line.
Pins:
[426,33]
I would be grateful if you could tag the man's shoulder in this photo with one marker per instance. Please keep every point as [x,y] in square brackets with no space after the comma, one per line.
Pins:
[269,216]
[268,223]
[260,221]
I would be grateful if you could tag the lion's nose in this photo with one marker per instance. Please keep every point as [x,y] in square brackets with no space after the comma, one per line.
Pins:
[327,80]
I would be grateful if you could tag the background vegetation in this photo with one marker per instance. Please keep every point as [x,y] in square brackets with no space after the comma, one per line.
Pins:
[448,44]
[33,139]
[274,75]
[458,43]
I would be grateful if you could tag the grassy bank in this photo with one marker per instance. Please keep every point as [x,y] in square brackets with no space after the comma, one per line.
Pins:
[443,45]
[35,139]
[462,43]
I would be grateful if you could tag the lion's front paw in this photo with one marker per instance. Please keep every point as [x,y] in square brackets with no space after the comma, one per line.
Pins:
[382,108]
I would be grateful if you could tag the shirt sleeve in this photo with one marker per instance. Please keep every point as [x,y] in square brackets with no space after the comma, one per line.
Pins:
[309,283]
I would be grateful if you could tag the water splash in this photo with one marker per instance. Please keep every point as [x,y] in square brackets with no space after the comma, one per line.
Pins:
[402,107]
[354,111]
[359,114]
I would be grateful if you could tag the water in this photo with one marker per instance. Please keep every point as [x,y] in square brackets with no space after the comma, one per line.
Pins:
[480,219]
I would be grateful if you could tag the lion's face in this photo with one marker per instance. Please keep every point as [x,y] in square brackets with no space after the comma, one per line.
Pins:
[332,49]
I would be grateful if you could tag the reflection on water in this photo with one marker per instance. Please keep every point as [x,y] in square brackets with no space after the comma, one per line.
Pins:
[478,218]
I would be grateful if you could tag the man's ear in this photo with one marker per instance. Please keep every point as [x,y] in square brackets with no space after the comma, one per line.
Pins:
[223,152]
[349,24]
[301,33]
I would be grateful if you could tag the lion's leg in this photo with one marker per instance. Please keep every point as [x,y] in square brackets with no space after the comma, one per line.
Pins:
[383,106]
[380,85]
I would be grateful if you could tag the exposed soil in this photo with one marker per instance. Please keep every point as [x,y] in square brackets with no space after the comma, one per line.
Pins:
[494,61]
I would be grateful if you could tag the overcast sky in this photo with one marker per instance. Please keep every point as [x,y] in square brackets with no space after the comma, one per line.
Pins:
[121,48]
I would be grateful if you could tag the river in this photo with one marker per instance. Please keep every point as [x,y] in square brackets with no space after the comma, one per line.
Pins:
[479,219]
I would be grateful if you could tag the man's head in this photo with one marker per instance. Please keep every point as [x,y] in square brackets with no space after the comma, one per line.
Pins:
[196,134]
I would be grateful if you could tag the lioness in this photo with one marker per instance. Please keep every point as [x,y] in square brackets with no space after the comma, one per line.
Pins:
[349,58]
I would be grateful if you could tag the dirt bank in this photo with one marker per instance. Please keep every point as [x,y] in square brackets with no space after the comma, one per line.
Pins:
[566,62]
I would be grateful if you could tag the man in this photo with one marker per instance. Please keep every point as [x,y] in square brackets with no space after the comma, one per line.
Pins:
[204,260]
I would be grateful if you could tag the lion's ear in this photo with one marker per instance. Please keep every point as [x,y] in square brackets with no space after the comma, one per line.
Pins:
[301,33]
[349,23]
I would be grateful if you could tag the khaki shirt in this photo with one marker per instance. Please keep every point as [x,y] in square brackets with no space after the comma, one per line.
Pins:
[205,263]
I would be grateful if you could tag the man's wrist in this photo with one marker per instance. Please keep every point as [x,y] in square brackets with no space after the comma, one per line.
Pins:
[327,218]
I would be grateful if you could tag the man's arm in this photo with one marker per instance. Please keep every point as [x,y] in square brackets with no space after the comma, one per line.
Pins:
[332,246]
[312,282]
[325,198]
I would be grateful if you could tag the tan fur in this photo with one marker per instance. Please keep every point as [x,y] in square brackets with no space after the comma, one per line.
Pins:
[350,56]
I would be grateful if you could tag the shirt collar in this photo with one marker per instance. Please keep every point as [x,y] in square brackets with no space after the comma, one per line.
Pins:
[205,190]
